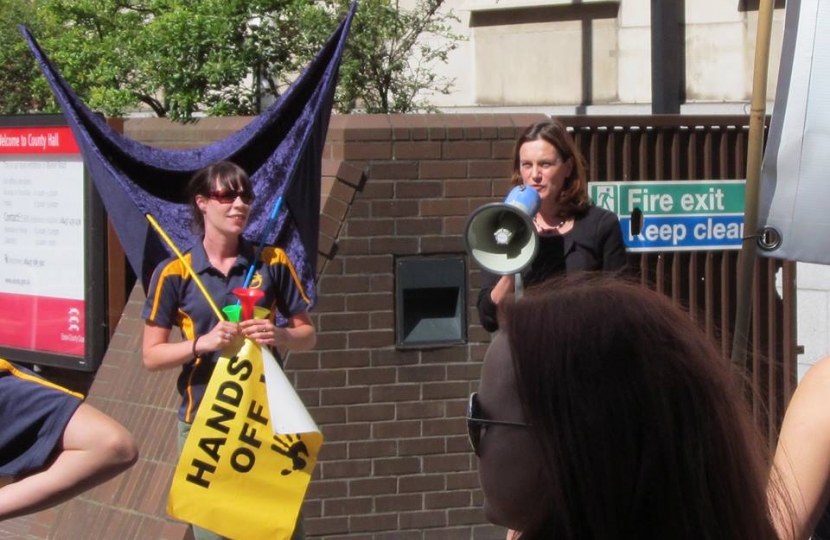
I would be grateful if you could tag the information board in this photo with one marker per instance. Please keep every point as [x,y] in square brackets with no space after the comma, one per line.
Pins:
[684,215]
[51,250]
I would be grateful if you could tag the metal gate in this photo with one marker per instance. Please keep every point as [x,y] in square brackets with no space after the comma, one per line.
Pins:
[674,147]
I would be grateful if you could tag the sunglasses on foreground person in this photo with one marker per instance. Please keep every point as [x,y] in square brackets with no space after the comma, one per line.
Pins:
[603,412]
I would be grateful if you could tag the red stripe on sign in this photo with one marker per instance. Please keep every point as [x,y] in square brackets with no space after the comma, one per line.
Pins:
[40,323]
[37,141]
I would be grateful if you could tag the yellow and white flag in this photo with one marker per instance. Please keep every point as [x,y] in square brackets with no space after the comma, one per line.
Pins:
[247,462]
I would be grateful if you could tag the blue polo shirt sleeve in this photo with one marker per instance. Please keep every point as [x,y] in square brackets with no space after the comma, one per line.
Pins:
[33,416]
[162,302]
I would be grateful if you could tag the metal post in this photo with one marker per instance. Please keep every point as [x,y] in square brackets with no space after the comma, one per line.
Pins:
[667,56]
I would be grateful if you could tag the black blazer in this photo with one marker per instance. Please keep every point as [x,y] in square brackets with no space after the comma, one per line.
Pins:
[594,243]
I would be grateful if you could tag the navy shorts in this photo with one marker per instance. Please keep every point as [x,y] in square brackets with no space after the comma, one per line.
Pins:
[33,416]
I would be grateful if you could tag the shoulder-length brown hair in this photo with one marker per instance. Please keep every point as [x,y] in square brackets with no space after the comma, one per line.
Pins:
[573,199]
[643,429]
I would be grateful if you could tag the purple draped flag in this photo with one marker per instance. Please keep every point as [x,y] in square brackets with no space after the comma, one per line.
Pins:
[281,149]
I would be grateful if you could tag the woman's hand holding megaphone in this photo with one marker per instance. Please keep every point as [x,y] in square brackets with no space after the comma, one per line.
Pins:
[505,285]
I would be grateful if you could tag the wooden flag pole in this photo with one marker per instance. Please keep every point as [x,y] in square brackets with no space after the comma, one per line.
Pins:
[755,152]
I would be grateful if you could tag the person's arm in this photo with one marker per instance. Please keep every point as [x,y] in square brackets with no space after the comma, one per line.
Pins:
[489,297]
[159,311]
[802,457]
[502,288]
[158,354]
[94,448]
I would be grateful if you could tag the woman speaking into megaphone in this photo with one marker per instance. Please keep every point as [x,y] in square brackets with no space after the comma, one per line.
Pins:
[573,234]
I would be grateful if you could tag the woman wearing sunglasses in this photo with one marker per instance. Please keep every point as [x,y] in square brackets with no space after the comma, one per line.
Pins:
[604,413]
[221,198]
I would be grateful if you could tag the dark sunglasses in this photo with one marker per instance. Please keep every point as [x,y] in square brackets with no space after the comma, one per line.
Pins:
[475,422]
[227,196]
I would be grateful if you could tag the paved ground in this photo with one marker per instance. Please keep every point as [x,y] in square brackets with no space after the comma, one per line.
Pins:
[22,528]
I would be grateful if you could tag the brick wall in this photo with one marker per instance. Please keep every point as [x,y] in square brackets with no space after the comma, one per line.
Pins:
[395,463]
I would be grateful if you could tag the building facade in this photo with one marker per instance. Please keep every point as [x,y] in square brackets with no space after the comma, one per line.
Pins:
[565,57]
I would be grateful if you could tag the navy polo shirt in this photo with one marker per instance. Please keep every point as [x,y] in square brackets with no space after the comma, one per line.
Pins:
[174,299]
[33,416]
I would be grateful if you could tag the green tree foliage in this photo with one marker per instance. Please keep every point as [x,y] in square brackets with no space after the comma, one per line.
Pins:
[22,89]
[221,57]
[94,43]
[391,56]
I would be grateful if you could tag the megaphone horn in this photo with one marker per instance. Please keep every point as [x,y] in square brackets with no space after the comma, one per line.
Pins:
[501,237]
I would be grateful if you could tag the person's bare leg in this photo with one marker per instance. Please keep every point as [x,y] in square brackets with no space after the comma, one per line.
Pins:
[94,448]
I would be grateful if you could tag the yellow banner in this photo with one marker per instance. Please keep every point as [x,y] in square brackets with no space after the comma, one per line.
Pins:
[235,476]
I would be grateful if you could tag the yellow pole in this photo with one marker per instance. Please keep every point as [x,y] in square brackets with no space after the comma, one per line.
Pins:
[755,151]
[190,271]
